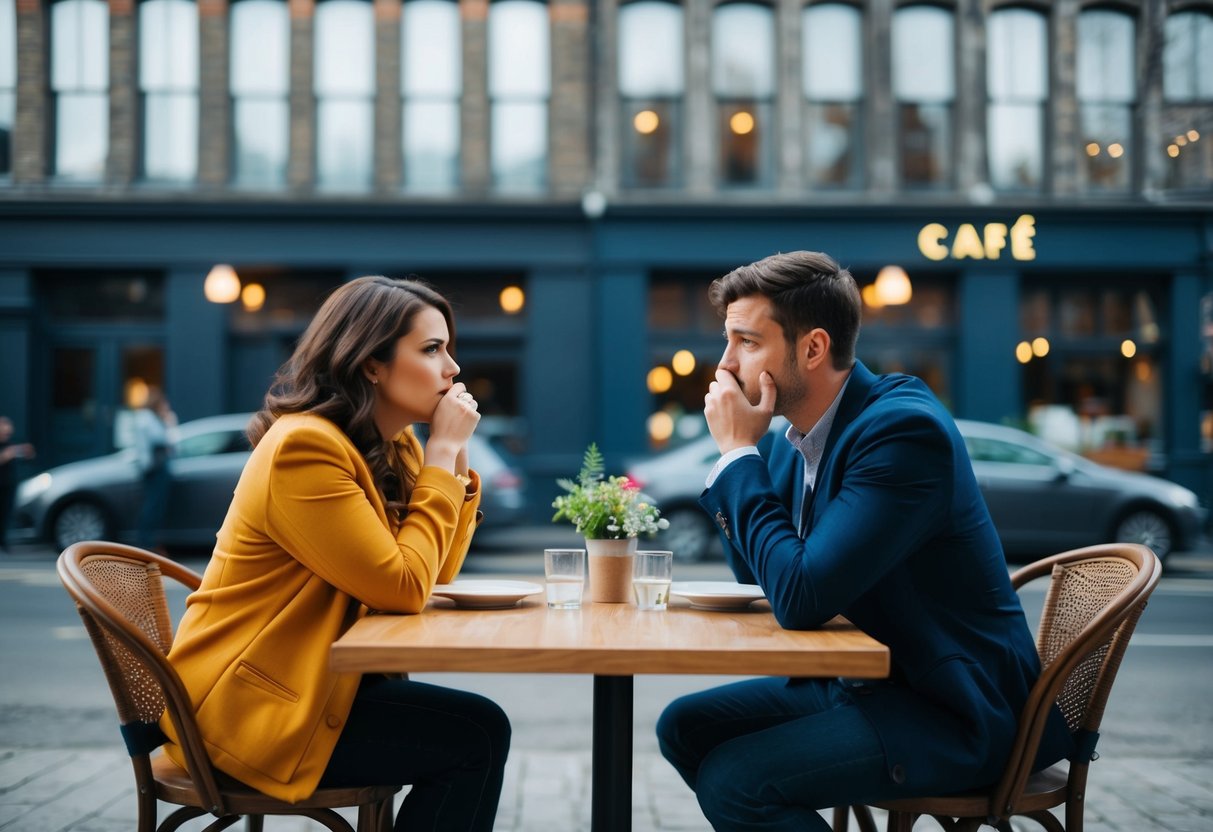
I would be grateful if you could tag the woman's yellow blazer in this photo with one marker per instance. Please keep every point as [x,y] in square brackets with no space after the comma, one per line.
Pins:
[306,548]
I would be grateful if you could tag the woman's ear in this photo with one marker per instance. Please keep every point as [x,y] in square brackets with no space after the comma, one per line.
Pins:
[371,369]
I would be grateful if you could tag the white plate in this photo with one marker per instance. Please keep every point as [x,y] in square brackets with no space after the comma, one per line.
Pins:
[717,595]
[487,595]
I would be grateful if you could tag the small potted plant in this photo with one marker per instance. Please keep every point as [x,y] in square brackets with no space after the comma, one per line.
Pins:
[609,512]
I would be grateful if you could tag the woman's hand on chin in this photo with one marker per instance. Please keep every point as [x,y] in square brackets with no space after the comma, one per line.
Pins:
[454,420]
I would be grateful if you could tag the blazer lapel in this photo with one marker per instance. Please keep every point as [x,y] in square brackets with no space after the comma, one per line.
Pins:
[859,385]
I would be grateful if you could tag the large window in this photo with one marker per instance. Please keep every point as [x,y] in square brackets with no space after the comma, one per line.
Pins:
[924,86]
[832,36]
[8,83]
[168,84]
[1017,74]
[1107,90]
[431,82]
[260,83]
[1187,122]
[80,87]
[519,85]
[1091,361]
[345,94]
[651,85]
[743,81]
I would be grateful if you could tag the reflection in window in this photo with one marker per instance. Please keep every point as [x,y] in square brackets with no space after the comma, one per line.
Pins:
[8,82]
[431,81]
[168,84]
[519,85]
[260,83]
[651,85]
[79,87]
[1106,86]
[1187,121]
[833,85]
[1017,72]
[924,85]
[345,93]
[743,81]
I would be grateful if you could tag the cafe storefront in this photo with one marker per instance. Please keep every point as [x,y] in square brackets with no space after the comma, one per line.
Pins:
[1084,325]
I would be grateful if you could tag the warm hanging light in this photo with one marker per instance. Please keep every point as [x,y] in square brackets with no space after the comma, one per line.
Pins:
[222,285]
[1040,347]
[741,123]
[1023,352]
[646,122]
[661,426]
[512,299]
[683,362]
[893,286]
[870,297]
[1127,348]
[253,297]
[660,380]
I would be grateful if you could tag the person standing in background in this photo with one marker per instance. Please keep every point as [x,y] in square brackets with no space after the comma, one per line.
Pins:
[155,427]
[9,452]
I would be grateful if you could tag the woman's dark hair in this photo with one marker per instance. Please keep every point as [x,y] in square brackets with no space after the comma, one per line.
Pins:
[807,290]
[361,319]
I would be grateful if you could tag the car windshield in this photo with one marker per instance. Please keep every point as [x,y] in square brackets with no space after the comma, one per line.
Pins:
[984,449]
[213,442]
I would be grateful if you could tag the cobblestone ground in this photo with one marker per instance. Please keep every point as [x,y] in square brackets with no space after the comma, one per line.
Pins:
[92,791]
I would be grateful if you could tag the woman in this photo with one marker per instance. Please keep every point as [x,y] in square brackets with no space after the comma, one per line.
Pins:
[337,510]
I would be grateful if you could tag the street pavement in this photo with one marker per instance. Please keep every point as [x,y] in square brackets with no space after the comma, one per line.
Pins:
[62,766]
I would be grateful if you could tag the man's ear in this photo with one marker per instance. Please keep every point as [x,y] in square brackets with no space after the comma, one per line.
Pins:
[812,348]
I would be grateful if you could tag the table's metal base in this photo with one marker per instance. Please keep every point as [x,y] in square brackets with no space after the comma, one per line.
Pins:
[611,777]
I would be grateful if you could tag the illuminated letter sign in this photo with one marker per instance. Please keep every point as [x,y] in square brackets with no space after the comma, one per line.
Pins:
[988,245]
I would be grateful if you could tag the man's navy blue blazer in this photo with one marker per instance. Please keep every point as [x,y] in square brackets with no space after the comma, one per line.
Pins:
[901,543]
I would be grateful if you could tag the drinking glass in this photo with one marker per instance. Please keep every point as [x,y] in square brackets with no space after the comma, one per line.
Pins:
[651,576]
[564,570]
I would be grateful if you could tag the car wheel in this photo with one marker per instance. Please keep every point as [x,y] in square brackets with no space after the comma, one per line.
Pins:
[79,520]
[1147,527]
[690,536]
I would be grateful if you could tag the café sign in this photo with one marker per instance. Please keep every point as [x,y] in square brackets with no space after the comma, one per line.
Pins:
[936,242]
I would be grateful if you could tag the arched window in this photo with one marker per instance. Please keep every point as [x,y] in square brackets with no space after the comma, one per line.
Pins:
[743,81]
[832,46]
[652,79]
[1107,91]
[168,84]
[519,86]
[1187,121]
[924,86]
[260,86]
[431,82]
[345,94]
[80,87]
[1017,78]
[8,83]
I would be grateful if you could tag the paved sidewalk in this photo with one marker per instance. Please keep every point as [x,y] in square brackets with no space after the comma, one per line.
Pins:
[93,791]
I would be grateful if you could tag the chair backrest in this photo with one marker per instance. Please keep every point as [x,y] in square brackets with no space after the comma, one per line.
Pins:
[1091,608]
[119,593]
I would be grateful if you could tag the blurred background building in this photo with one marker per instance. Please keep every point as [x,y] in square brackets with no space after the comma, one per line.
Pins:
[1024,191]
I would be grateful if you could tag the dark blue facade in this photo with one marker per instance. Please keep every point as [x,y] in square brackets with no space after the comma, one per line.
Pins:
[584,347]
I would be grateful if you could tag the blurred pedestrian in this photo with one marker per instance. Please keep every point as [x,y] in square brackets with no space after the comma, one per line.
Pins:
[155,427]
[9,451]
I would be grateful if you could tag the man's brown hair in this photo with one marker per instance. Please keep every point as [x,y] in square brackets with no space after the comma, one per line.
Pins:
[807,290]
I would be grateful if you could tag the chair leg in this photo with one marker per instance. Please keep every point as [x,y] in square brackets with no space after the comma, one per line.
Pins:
[1050,823]
[842,816]
[254,823]
[901,822]
[183,815]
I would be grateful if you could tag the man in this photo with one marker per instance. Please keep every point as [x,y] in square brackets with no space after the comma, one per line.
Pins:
[868,508]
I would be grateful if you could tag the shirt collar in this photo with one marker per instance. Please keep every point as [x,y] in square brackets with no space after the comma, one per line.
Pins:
[812,444]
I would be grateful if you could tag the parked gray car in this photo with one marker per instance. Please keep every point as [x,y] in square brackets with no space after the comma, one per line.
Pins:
[1042,499]
[98,499]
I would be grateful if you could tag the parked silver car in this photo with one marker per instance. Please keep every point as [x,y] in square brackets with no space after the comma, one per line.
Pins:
[98,499]
[1042,499]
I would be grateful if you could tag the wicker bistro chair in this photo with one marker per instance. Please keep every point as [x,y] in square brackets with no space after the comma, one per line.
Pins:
[120,595]
[1091,607]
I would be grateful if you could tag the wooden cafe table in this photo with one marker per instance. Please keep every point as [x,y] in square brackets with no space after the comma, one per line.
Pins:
[614,642]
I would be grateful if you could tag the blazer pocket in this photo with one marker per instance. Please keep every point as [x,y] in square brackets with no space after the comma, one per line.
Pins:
[259,679]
